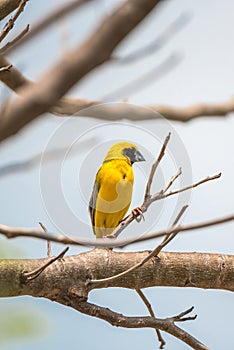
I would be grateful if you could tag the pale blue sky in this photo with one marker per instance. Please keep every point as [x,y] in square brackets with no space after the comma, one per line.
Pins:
[205,146]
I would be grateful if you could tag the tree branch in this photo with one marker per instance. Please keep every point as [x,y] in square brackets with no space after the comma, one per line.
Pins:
[7,6]
[151,312]
[197,270]
[49,20]
[112,112]
[10,24]
[115,319]
[13,232]
[149,198]
[15,80]
[15,40]
[155,166]
[65,280]
[41,97]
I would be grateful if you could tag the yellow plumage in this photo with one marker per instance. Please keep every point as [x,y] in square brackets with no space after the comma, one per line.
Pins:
[112,191]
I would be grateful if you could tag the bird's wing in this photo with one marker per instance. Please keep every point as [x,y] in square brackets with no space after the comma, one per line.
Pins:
[92,202]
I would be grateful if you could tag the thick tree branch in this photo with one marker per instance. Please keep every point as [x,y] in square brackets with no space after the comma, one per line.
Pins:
[13,79]
[7,6]
[199,270]
[40,98]
[65,281]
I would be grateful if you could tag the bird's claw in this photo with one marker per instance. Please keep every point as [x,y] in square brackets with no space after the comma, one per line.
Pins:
[137,214]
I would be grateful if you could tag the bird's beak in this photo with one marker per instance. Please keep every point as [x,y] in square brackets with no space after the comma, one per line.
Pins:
[138,157]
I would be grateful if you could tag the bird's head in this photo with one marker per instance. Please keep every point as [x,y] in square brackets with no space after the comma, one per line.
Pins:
[124,150]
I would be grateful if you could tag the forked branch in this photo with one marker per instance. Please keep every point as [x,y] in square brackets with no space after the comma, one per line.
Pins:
[115,319]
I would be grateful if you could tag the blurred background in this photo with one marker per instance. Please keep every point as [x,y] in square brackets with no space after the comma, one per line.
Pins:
[56,191]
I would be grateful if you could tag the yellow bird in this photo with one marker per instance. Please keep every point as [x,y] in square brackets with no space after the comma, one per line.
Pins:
[112,190]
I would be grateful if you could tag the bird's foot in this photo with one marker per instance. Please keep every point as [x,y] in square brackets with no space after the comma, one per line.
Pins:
[137,213]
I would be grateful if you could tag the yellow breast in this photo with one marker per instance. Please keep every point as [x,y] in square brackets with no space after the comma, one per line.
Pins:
[115,182]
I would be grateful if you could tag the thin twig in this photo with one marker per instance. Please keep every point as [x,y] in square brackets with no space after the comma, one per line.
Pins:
[6,69]
[10,24]
[154,167]
[168,238]
[34,274]
[185,188]
[151,312]
[14,41]
[172,180]
[49,251]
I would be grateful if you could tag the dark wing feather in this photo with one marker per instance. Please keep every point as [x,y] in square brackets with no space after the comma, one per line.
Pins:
[92,203]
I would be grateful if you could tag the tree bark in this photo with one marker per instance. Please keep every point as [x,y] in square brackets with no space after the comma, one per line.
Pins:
[7,6]
[73,273]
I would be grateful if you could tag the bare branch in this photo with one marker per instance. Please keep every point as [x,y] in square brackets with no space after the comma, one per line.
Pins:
[155,166]
[13,79]
[49,20]
[119,320]
[79,107]
[41,97]
[172,180]
[197,270]
[13,232]
[10,24]
[151,312]
[7,6]
[112,112]
[34,274]
[179,190]
[6,69]
[184,228]
[49,251]
[14,41]
[148,200]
